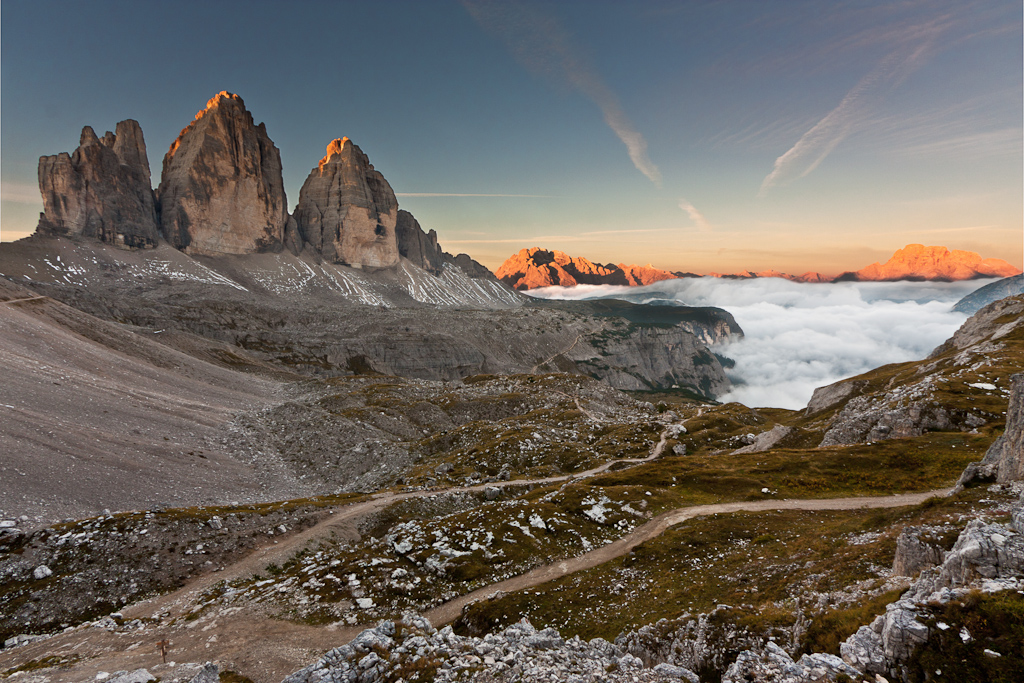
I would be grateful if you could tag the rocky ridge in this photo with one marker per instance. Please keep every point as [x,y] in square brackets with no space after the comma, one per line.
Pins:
[946,391]
[994,291]
[222,193]
[535,267]
[102,190]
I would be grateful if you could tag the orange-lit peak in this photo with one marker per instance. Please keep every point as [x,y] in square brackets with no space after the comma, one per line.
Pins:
[337,146]
[215,101]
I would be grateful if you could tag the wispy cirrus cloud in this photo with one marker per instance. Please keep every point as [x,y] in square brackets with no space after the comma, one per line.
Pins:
[916,45]
[542,46]
[696,216]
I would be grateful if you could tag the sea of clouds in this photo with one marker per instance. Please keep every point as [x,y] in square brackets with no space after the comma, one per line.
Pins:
[799,336]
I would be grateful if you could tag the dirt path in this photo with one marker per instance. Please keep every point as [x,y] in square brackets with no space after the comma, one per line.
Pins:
[450,611]
[27,298]
[544,362]
[267,649]
[342,524]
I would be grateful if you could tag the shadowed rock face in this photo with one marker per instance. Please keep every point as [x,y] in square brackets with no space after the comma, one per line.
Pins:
[221,191]
[103,190]
[347,211]
[419,247]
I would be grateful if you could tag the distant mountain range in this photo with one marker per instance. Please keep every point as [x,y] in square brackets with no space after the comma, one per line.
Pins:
[536,267]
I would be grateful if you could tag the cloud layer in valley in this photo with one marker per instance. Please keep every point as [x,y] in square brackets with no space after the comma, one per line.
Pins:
[801,336]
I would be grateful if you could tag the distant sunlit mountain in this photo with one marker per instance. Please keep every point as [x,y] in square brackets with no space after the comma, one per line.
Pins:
[536,267]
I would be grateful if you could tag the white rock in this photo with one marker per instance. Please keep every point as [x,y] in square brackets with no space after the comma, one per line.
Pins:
[41,572]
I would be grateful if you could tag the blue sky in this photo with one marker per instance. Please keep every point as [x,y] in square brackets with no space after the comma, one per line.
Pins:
[702,136]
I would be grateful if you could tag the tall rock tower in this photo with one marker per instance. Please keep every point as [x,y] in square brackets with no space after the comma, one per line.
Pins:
[221,191]
[103,190]
[347,211]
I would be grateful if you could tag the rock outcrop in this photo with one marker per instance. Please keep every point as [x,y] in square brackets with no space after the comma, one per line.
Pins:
[419,247]
[535,267]
[1004,459]
[469,266]
[347,212]
[221,191]
[519,653]
[867,411]
[102,190]
[918,262]
[986,557]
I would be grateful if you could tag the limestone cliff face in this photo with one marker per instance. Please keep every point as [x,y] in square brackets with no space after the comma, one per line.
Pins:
[918,262]
[535,267]
[103,190]
[221,191]
[347,212]
[419,247]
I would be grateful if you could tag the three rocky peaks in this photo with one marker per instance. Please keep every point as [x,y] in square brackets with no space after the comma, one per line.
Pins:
[222,192]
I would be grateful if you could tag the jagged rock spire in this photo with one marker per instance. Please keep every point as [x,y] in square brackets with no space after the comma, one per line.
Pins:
[222,191]
[102,190]
[347,211]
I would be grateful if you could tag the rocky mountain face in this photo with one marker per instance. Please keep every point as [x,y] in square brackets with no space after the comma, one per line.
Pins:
[347,211]
[949,390]
[419,247]
[221,191]
[102,190]
[535,267]
[918,262]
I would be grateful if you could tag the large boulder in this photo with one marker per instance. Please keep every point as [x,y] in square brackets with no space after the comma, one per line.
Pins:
[222,191]
[102,190]
[347,212]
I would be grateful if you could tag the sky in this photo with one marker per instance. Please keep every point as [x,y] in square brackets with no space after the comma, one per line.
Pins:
[799,336]
[716,135]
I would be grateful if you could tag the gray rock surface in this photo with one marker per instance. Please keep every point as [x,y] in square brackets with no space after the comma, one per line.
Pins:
[138,676]
[1004,459]
[419,247]
[347,211]
[470,267]
[209,674]
[519,653]
[916,549]
[221,191]
[774,665]
[766,440]
[986,557]
[984,325]
[102,190]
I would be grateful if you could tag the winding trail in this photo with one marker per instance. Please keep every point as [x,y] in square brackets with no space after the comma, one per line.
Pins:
[266,648]
[343,523]
[451,610]
[27,298]
[544,362]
